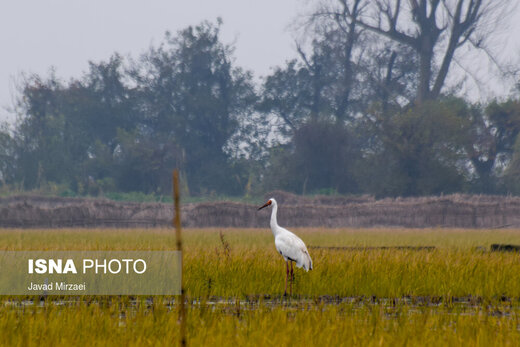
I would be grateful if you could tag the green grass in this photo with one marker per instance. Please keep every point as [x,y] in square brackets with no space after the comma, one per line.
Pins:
[395,297]
[251,266]
[238,325]
[61,190]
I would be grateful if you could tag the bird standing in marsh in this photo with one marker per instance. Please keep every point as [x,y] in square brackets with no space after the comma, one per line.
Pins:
[290,246]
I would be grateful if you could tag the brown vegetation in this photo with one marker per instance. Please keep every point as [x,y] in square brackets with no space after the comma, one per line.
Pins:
[454,211]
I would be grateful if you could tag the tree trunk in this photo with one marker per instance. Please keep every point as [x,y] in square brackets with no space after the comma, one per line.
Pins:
[425,68]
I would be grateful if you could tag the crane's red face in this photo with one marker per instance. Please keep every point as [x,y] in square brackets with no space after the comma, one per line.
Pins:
[269,202]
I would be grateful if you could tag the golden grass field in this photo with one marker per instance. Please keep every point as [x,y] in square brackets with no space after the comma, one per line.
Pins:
[456,294]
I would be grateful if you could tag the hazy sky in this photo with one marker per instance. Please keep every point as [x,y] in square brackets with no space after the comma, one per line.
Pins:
[66,34]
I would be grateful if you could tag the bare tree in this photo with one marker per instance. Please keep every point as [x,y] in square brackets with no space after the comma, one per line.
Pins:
[336,37]
[434,29]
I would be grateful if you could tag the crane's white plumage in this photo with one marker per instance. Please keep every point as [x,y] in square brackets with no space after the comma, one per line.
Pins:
[290,246]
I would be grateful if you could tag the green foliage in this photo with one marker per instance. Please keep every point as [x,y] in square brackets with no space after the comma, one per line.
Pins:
[125,128]
[322,158]
[194,98]
[341,117]
[419,151]
[491,135]
[7,159]
[511,176]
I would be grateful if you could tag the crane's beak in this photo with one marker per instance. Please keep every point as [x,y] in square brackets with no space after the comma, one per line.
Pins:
[266,204]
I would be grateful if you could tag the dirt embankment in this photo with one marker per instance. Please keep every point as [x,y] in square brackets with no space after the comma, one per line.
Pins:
[460,211]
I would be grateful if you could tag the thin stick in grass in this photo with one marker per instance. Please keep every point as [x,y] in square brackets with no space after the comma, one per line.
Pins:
[177,225]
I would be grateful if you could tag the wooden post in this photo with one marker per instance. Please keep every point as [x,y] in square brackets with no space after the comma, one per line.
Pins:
[177,225]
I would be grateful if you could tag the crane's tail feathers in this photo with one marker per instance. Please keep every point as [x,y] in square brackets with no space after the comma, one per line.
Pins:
[306,264]
[307,261]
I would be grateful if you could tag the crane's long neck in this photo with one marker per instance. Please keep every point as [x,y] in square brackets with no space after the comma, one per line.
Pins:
[274,222]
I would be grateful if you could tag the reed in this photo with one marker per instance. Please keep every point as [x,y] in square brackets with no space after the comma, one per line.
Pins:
[450,211]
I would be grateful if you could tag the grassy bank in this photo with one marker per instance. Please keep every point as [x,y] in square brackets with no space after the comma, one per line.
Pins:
[238,263]
[234,281]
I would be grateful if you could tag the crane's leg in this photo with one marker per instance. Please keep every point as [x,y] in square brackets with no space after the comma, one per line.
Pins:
[292,278]
[286,275]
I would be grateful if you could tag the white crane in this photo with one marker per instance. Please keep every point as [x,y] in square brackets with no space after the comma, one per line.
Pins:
[290,246]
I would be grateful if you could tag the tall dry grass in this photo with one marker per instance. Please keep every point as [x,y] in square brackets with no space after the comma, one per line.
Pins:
[458,210]
[397,297]
[244,262]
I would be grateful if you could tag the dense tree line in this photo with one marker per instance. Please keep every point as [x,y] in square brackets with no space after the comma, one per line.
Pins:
[364,107]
